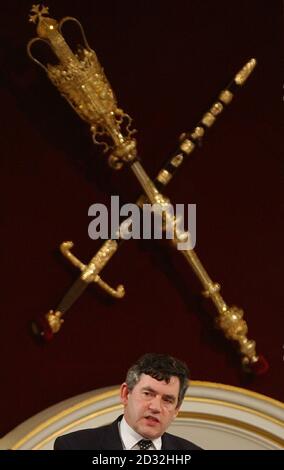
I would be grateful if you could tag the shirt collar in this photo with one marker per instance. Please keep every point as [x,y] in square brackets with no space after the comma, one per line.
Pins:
[130,437]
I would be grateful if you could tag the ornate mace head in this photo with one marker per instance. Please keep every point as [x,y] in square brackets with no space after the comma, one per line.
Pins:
[82,81]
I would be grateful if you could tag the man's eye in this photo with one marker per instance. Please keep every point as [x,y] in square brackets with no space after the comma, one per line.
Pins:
[168,400]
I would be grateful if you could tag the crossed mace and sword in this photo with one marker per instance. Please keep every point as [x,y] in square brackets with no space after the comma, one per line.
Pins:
[81,80]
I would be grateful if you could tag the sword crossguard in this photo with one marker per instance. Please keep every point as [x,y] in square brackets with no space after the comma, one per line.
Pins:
[90,271]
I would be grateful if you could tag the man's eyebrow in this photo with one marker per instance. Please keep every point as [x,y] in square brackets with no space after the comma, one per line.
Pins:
[152,390]
[148,389]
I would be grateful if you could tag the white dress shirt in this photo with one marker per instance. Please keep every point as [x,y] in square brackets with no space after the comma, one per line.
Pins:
[130,438]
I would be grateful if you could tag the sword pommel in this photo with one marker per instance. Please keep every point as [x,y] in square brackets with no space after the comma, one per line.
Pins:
[44,326]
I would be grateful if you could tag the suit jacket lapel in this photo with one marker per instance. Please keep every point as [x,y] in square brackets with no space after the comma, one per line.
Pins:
[111,438]
[166,442]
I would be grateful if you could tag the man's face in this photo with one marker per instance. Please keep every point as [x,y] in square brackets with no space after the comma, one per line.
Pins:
[151,406]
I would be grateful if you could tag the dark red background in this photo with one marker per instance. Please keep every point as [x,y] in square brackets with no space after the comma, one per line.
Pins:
[166,62]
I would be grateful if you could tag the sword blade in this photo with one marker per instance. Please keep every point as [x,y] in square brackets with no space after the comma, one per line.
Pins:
[72,295]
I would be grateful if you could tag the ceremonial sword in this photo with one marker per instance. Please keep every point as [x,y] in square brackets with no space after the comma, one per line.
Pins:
[50,323]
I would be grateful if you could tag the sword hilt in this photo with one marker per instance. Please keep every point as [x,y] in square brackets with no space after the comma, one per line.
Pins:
[45,326]
[90,271]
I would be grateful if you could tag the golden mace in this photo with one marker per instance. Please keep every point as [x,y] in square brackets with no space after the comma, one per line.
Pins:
[81,80]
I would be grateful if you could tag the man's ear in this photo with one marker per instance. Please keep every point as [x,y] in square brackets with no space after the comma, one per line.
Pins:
[176,411]
[124,393]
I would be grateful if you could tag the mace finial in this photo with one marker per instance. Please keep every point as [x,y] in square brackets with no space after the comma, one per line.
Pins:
[37,12]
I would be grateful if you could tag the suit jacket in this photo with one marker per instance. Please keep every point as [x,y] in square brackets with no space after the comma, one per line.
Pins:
[108,438]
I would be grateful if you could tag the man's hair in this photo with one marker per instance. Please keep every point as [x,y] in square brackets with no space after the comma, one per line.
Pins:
[160,367]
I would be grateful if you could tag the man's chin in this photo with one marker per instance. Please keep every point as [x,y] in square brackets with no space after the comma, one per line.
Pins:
[150,435]
[150,431]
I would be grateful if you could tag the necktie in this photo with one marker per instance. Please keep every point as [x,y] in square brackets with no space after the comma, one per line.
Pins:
[144,444]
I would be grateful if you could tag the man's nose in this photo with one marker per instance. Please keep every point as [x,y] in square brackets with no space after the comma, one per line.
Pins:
[155,404]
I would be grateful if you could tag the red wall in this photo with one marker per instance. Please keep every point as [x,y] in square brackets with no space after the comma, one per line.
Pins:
[166,62]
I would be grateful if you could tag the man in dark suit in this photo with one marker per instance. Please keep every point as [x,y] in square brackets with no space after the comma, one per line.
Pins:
[152,395]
